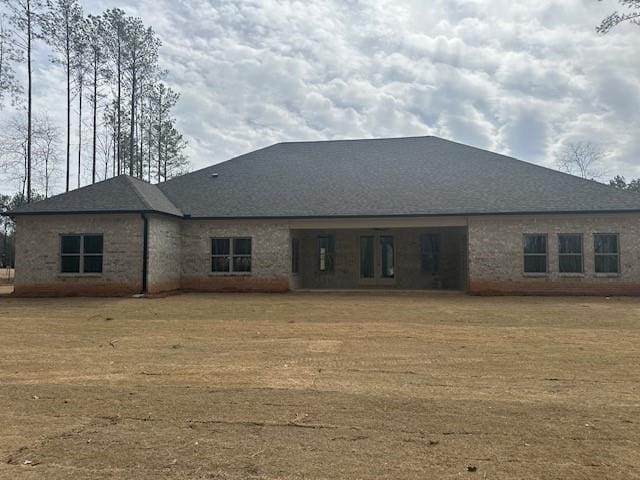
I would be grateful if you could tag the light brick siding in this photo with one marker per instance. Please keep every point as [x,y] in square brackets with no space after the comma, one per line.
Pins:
[270,256]
[179,255]
[408,270]
[496,254]
[38,255]
[164,259]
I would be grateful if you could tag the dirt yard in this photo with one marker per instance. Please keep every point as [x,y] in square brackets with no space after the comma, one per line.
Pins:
[353,386]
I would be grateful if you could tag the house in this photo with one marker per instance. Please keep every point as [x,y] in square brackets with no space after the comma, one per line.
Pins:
[404,213]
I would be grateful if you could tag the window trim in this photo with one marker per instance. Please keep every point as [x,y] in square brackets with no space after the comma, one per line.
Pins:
[525,255]
[618,255]
[81,254]
[560,255]
[230,256]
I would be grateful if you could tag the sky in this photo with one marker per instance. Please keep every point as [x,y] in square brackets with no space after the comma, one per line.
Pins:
[520,78]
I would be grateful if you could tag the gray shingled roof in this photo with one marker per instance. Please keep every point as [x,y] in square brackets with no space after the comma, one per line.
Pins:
[117,194]
[402,176]
[384,177]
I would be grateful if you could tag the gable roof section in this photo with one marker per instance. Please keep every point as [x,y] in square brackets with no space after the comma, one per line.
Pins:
[121,194]
[385,177]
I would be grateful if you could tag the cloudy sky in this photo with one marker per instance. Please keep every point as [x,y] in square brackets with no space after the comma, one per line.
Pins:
[517,77]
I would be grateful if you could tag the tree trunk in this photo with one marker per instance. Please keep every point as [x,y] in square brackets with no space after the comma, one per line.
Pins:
[79,131]
[133,122]
[115,154]
[68,60]
[119,102]
[149,142]
[141,132]
[29,101]
[95,113]
[159,134]
[46,176]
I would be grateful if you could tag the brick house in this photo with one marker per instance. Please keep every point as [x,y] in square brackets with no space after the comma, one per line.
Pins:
[407,213]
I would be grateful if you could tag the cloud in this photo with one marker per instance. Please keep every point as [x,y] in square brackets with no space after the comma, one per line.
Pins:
[521,78]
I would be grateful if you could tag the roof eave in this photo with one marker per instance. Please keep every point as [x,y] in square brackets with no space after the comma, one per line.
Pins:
[89,212]
[414,215]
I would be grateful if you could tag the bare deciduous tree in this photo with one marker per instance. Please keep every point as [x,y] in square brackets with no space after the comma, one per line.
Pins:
[46,153]
[631,16]
[583,159]
[45,138]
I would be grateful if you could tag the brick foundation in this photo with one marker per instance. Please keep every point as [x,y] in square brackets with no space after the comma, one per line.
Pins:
[162,287]
[235,284]
[75,290]
[545,287]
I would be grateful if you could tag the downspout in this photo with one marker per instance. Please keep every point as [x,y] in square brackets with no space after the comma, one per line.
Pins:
[145,253]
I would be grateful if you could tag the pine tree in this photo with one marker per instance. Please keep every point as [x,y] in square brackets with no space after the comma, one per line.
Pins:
[23,15]
[9,57]
[61,20]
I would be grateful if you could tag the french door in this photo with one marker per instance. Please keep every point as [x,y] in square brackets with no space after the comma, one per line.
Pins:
[377,259]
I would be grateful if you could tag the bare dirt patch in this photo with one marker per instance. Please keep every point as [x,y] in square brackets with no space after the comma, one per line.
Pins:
[320,386]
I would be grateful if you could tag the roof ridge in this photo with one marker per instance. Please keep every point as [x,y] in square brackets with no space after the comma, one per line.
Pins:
[138,192]
[336,140]
[136,183]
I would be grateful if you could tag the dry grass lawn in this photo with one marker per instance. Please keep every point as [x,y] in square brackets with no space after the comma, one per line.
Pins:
[309,386]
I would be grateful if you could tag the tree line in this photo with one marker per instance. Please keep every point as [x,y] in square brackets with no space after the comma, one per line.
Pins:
[115,93]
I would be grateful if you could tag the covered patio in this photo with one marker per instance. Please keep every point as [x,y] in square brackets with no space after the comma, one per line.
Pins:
[379,257]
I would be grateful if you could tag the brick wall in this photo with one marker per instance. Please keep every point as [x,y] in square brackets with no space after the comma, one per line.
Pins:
[271,263]
[180,256]
[496,255]
[164,260]
[38,255]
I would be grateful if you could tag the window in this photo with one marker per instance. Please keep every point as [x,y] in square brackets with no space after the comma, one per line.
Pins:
[387,254]
[607,252]
[295,255]
[570,253]
[430,252]
[535,253]
[81,253]
[366,257]
[231,255]
[326,252]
